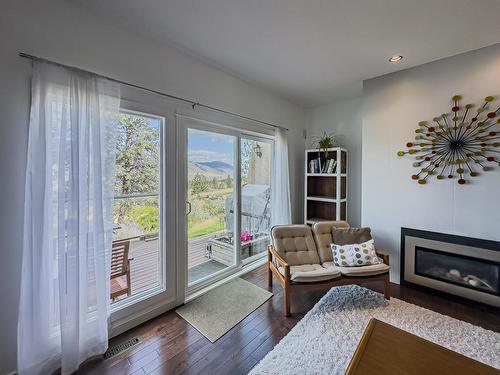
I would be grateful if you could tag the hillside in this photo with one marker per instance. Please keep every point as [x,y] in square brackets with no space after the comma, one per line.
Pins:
[210,169]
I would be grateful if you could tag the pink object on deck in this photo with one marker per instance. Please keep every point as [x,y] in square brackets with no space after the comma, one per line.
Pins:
[245,236]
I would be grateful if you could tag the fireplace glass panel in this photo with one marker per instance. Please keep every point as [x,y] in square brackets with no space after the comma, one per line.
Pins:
[473,273]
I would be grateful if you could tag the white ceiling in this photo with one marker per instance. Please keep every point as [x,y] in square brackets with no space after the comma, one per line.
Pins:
[311,51]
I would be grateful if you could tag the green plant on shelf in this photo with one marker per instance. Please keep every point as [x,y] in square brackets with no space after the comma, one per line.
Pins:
[324,142]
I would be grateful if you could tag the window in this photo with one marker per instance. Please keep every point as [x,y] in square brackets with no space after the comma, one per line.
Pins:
[256,158]
[210,197]
[137,257]
[227,188]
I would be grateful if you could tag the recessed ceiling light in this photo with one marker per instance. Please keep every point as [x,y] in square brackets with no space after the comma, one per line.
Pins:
[395,58]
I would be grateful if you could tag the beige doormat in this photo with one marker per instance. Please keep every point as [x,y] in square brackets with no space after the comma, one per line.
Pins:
[217,311]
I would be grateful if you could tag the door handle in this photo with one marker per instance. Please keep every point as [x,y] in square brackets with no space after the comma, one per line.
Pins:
[188,206]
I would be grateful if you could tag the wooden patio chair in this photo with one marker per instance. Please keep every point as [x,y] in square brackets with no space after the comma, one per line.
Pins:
[120,269]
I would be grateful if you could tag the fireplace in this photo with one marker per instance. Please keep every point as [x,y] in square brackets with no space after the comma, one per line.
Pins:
[464,271]
[467,267]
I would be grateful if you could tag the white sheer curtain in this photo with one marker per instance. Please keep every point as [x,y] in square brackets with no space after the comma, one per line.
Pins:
[281,208]
[63,312]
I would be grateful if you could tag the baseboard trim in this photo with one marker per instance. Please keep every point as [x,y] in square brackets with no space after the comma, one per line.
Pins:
[120,326]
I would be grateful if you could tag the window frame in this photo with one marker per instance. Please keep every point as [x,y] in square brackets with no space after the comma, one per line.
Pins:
[133,299]
[272,142]
[221,125]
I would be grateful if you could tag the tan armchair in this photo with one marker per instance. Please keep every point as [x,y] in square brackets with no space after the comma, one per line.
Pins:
[300,260]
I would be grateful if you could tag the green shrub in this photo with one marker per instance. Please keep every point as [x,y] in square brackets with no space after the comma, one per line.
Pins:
[146,217]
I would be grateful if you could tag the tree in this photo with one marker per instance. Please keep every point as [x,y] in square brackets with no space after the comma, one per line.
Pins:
[137,156]
[199,184]
[229,182]
[215,183]
[137,160]
[246,155]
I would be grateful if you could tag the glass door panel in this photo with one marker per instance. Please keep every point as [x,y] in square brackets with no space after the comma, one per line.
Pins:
[137,256]
[210,203]
[256,160]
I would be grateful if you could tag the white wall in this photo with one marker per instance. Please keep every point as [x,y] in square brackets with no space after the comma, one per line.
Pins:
[343,118]
[63,32]
[393,104]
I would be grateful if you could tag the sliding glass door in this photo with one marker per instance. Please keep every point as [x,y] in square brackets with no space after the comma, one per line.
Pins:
[210,203]
[256,157]
[226,185]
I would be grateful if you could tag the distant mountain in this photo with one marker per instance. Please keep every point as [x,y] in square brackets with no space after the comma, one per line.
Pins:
[209,169]
[221,165]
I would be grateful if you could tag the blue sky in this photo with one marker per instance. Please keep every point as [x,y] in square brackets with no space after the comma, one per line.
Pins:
[207,146]
[154,123]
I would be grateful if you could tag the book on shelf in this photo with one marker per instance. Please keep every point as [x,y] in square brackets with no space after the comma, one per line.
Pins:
[311,166]
[315,166]
[326,166]
[318,167]
[332,166]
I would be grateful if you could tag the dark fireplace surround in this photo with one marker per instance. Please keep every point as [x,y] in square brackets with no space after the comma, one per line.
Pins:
[463,266]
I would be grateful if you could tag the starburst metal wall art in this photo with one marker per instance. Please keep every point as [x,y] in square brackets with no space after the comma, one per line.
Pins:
[457,145]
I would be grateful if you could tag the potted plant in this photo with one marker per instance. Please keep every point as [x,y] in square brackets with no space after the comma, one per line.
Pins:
[324,142]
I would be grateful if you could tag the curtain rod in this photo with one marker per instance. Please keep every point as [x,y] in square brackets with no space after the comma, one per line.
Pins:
[194,104]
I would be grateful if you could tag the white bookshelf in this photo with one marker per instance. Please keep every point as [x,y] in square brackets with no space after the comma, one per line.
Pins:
[326,193]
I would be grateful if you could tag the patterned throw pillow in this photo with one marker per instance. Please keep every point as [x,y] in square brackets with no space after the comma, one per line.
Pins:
[354,255]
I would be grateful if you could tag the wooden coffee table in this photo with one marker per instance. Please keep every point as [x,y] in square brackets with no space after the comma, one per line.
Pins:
[385,349]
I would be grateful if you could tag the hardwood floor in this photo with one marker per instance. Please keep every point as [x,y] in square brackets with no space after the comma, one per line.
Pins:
[171,346]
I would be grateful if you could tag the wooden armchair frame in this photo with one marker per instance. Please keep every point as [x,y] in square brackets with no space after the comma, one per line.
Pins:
[120,266]
[289,286]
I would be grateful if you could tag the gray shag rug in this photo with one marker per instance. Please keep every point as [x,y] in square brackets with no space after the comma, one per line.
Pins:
[217,311]
[324,341]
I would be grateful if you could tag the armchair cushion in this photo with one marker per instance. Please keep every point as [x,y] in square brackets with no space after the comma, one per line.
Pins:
[308,273]
[355,255]
[374,269]
[295,244]
[323,235]
[347,236]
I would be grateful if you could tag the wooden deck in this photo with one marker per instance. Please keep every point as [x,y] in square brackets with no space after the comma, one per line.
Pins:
[145,261]
[196,249]
[145,264]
